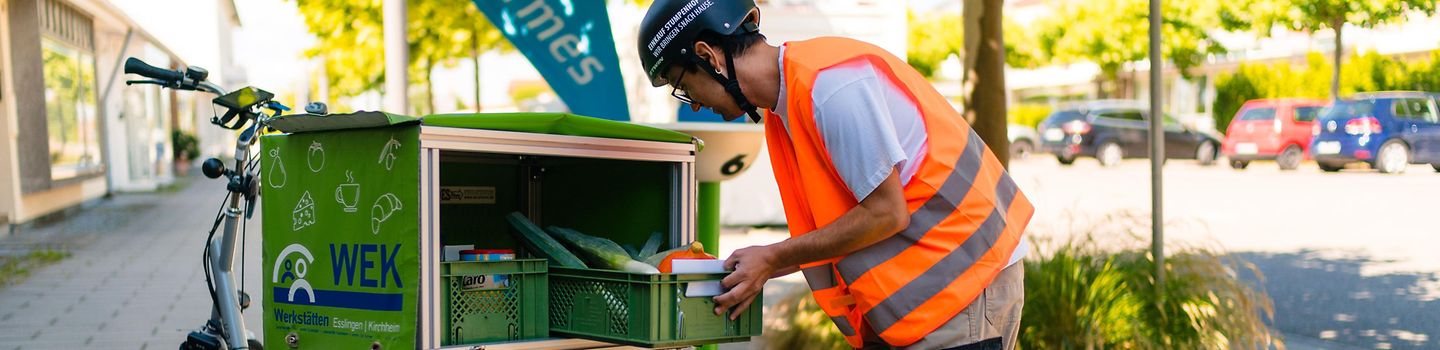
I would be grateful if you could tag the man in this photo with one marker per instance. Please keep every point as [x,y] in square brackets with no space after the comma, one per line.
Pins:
[906,227]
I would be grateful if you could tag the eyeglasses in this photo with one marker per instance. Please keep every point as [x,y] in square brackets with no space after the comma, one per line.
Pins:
[679,94]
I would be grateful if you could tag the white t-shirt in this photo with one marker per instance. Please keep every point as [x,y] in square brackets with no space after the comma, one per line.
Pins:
[880,127]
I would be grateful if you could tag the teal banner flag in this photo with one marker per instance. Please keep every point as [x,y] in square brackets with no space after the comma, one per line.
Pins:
[569,42]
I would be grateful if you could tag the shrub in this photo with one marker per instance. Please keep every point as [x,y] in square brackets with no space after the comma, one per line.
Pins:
[1231,92]
[1097,291]
[796,322]
[184,145]
[1361,73]
[1028,114]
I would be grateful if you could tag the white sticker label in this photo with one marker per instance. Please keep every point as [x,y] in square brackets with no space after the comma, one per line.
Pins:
[1328,147]
[1246,149]
[467,195]
[1054,135]
[484,282]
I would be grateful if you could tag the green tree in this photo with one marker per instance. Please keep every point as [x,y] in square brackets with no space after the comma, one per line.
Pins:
[983,88]
[350,41]
[1366,73]
[1314,15]
[1021,46]
[934,38]
[1425,76]
[1112,33]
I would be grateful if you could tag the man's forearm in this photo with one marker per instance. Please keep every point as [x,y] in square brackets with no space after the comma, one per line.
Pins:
[879,216]
[844,236]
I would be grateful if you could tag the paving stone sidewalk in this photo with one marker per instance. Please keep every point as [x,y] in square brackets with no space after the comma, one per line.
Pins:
[133,279]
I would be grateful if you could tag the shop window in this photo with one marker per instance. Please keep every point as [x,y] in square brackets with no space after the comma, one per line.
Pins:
[72,122]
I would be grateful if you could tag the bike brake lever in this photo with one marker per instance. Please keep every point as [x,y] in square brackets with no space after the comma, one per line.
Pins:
[147,81]
[177,85]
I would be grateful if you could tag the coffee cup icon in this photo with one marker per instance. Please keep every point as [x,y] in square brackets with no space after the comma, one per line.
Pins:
[348,194]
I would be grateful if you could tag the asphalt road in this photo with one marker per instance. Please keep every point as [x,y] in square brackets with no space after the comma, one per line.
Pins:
[1348,258]
[1357,211]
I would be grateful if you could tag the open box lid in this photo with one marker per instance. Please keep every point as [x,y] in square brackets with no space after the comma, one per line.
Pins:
[300,123]
[538,123]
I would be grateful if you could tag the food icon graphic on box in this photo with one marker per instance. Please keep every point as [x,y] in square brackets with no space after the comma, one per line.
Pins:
[304,213]
[316,156]
[348,194]
[384,207]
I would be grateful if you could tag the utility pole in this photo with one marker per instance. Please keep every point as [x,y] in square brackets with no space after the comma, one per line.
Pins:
[397,57]
[1157,148]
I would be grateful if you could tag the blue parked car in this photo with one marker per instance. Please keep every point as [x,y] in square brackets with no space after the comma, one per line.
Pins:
[1388,130]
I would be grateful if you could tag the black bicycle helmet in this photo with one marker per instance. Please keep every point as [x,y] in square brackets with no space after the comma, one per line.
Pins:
[671,27]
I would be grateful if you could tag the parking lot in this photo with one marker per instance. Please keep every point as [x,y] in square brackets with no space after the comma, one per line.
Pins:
[1391,217]
[1349,258]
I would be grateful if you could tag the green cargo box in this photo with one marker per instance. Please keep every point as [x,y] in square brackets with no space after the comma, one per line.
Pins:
[359,210]
[516,312]
[642,309]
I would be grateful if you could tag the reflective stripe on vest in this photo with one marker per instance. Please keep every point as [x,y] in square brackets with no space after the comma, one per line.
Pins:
[843,324]
[820,277]
[938,276]
[966,213]
[922,221]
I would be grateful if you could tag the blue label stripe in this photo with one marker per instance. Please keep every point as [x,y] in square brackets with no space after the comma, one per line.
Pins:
[342,299]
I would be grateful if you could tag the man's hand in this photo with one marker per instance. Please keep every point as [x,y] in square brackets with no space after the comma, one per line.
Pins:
[752,267]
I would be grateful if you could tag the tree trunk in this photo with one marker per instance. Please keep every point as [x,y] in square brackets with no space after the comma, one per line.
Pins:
[476,60]
[985,75]
[429,87]
[1338,24]
[1099,87]
[1130,85]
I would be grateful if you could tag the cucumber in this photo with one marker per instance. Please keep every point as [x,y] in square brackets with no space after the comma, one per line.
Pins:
[630,250]
[599,252]
[652,246]
[542,244]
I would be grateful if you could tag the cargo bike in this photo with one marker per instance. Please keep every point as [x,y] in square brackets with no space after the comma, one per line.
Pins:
[385,231]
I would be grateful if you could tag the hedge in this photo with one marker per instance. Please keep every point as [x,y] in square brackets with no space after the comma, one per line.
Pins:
[1361,73]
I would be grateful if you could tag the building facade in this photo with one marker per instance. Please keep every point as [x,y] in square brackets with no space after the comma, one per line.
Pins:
[73,131]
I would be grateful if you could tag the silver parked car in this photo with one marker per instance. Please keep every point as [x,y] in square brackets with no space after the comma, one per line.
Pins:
[1023,140]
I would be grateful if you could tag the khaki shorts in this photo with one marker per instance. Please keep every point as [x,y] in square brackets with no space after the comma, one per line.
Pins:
[992,321]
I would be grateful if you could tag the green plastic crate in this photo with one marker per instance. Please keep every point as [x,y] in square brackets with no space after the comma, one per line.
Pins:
[642,309]
[483,316]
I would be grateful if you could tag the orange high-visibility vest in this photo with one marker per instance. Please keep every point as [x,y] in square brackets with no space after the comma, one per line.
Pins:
[966,214]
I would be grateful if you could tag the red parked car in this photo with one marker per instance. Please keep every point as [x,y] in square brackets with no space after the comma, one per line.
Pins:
[1272,129]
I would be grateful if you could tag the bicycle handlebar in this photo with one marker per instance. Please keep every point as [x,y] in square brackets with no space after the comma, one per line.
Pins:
[237,115]
[138,67]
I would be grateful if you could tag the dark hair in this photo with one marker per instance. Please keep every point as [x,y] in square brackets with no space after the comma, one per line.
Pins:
[734,44]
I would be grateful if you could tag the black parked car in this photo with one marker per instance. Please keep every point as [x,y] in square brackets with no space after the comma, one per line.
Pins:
[1111,130]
